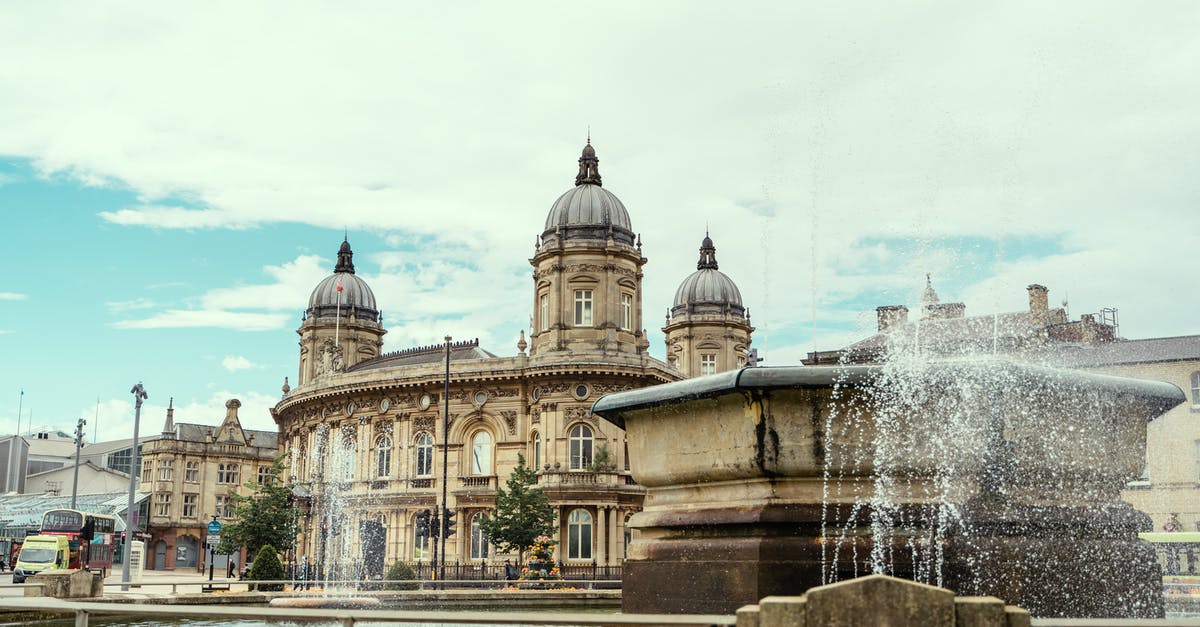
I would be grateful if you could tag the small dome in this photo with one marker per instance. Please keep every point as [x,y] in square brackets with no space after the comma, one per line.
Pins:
[588,211]
[708,290]
[355,298]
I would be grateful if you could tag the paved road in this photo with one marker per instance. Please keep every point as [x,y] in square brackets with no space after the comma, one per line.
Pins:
[153,583]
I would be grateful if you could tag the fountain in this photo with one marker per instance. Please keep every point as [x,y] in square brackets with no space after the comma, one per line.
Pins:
[985,476]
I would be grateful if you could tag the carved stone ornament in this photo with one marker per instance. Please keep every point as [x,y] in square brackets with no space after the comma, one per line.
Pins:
[535,415]
[579,413]
[510,421]
[423,423]
[329,358]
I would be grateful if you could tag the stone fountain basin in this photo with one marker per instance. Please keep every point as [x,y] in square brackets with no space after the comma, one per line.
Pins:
[1029,427]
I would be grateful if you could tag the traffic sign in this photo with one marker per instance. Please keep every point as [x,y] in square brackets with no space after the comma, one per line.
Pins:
[214,527]
[212,540]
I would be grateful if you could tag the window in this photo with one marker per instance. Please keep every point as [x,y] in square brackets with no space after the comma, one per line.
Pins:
[420,544]
[191,472]
[224,506]
[583,307]
[537,450]
[479,545]
[189,505]
[345,460]
[147,470]
[166,469]
[627,311]
[579,535]
[264,475]
[544,312]
[227,473]
[581,447]
[424,455]
[626,455]
[708,364]
[1196,389]
[481,454]
[383,457]
[162,504]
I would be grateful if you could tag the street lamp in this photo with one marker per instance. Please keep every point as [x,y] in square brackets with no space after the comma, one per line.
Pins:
[78,445]
[445,459]
[139,395]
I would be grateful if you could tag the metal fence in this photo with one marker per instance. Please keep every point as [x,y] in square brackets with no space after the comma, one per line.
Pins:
[457,571]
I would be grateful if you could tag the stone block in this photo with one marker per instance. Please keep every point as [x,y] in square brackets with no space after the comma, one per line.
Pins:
[879,600]
[979,612]
[747,616]
[67,584]
[1017,617]
[781,611]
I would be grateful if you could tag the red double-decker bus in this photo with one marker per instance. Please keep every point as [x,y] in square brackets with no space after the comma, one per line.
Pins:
[90,536]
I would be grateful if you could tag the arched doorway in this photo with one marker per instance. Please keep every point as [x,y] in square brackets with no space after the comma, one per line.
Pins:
[160,555]
[373,536]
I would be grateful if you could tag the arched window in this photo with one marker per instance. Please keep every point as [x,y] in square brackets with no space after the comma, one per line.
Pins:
[536,459]
[1196,388]
[479,544]
[383,457]
[481,453]
[581,446]
[346,458]
[420,543]
[579,535]
[424,448]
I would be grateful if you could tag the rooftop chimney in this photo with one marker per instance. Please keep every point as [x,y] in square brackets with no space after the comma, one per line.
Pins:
[891,316]
[1039,305]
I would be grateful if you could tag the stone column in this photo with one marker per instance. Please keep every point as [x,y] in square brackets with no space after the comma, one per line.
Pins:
[619,535]
[601,534]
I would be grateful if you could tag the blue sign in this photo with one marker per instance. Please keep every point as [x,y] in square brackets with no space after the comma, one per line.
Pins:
[214,527]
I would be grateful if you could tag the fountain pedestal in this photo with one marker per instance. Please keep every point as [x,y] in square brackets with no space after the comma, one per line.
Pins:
[989,477]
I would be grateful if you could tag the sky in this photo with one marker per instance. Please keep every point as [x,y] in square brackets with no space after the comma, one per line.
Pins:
[176,178]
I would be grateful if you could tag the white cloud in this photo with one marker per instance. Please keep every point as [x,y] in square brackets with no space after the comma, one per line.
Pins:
[233,363]
[186,318]
[12,296]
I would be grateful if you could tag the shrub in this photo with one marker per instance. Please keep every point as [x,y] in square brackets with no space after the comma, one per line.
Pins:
[266,567]
[400,577]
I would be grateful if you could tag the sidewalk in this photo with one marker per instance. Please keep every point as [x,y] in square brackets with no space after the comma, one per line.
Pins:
[166,583]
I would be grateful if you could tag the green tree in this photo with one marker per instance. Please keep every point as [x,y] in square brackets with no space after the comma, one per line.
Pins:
[266,568]
[523,512]
[263,517]
[400,576]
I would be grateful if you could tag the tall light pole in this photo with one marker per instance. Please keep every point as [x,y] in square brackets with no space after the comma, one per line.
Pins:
[20,406]
[78,445]
[445,460]
[139,395]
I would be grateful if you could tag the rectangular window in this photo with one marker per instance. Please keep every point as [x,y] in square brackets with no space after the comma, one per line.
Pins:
[264,475]
[191,472]
[189,505]
[583,307]
[627,312]
[544,312]
[166,469]
[223,507]
[162,504]
[708,364]
[227,473]
[148,470]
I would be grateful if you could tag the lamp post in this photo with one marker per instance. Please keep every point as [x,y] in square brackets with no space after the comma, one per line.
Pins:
[139,395]
[445,459]
[78,445]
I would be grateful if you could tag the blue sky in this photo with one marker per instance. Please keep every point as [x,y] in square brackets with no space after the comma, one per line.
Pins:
[173,182]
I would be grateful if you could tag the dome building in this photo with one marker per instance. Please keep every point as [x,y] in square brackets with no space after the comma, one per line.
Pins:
[708,328]
[365,432]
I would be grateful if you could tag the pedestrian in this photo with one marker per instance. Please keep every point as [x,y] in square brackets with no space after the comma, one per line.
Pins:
[3,566]
[510,571]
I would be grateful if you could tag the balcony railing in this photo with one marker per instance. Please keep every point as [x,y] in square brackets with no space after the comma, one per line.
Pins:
[476,482]
[568,478]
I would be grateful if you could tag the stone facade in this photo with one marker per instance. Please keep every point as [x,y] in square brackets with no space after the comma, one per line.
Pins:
[368,443]
[190,472]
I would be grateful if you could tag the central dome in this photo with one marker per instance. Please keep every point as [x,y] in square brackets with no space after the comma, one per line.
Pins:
[588,211]
[356,297]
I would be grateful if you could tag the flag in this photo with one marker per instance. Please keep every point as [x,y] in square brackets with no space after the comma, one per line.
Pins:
[339,285]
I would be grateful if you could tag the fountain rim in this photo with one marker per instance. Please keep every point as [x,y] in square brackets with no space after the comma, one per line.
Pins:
[1160,395]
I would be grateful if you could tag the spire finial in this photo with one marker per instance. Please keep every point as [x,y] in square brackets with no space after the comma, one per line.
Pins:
[589,165]
[708,253]
[345,262]
[930,296]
